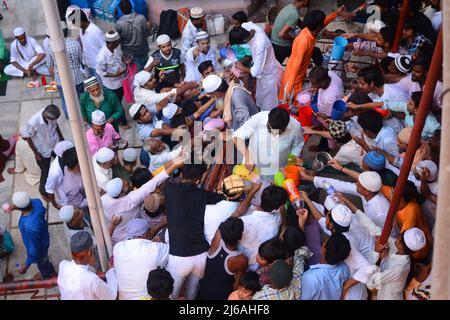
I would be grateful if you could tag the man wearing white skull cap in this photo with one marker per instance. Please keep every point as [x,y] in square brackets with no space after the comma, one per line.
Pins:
[103,161]
[27,57]
[191,29]
[101,134]
[74,221]
[201,52]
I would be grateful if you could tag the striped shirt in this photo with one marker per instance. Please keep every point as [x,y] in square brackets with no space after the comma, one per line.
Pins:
[74,55]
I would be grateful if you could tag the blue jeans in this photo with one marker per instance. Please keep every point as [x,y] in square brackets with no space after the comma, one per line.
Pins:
[45,267]
[79,88]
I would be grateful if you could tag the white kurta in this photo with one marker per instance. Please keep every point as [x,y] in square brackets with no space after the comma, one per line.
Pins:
[192,64]
[188,37]
[54,184]
[102,175]
[266,68]
[25,55]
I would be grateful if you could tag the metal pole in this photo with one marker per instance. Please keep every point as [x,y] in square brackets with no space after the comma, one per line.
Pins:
[440,273]
[419,121]
[400,25]
[79,137]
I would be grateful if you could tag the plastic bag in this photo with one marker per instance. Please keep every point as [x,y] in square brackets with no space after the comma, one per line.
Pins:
[127,83]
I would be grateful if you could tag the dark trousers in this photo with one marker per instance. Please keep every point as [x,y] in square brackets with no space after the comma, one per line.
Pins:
[45,267]
[44,164]
[119,93]
[281,53]
[144,158]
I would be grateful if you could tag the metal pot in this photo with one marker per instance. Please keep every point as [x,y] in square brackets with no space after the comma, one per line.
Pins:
[321,161]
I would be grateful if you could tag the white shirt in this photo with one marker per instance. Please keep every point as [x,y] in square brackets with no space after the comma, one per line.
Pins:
[150,98]
[92,41]
[25,53]
[76,282]
[160,159]
[350,152]
[390,279]
[133,260]
[437,20]
[327,97]
[110,62]
[192,73]
[215,214]
[55,179]
[188,37]
[270,152]
[43,135]
[376,208]
[259,226]
[410,86]
[129,206]
[102,175]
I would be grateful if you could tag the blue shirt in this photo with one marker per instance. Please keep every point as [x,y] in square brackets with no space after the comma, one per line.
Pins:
[324,281]
[145,130]
[34,230]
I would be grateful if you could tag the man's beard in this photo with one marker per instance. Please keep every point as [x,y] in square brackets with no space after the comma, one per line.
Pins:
[97,100]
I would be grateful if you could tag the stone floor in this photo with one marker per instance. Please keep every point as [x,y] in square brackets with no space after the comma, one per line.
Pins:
[20,103]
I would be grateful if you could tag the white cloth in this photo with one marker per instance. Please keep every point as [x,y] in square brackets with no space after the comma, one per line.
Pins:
[259,226]
[187,270]
[376,208]
[409,86]
[266,68]
[110,62]
[102,175]
[54,184]
[429,12]
[24,56]
[26,163]
[270,152]
[133,260]
[386,140]
[43,135]
[129,206]
[150,98]
[215,214]
[158,160]
[192,64]
[76,282]
[188,37]
[327,97]
[437,20]
[351,152]
[91,41]
[391,277]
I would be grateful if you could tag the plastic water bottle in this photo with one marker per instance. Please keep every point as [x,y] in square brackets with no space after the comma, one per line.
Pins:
[328,187]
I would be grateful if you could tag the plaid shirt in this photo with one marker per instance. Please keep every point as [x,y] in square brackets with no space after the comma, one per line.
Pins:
[74,54]
[418,41]
[293,291]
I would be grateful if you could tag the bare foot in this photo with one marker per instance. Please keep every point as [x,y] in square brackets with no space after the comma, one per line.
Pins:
[37,276]
[12,171]
[34,76]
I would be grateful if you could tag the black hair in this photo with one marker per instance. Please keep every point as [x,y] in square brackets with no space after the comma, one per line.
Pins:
[240,16]
[70,158]
[273,197]
[137,115]
[337,249]
[193,171]
[416,96]
[83,16]
[422,61]
[160,284]
[140,176]
[279,119]
[231,230]
[388,177]
[360,98]
[319,73]
[371,120]
[410,25]
[204,65]
[223,87]
[410,192]
[238,35]
[388,35]
[385,63]
[337,228]
[415,6]
[425,52]
[52,108]
[372,74]
[317,56]
[293,239]
[272,249]
[250,281]
[170,79]
[314,20]
[177,120]
[126,7]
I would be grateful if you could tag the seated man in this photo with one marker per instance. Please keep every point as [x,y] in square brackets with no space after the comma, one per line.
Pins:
[101,134]
[148,124]
[100,98]
[27,57]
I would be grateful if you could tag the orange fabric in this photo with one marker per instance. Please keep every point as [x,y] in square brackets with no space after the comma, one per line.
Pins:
[298,63]
[411,216]
[330,18]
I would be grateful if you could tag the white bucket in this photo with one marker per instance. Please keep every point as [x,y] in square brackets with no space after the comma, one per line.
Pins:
[215,24]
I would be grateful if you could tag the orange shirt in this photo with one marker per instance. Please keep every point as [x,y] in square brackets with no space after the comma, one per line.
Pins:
[299,61]
[411,216]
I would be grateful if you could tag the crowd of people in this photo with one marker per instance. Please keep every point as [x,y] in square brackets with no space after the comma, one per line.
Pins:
[251,237]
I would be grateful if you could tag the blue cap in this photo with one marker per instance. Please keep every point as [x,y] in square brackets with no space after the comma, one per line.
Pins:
[375,160]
